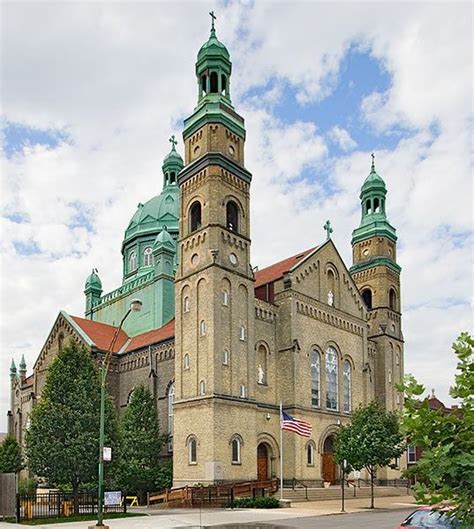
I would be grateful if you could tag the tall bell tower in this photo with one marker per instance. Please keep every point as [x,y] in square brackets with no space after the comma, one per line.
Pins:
[377,275]
[214,355]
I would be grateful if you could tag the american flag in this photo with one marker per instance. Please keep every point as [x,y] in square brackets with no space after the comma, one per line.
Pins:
[291,424]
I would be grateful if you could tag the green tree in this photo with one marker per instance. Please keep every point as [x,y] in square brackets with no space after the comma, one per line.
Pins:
[141,443]
[372,439]
[10,456]
[445,471]
[62,442]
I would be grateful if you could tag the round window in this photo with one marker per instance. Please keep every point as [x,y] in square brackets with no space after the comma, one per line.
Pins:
[233,259]
[231,150]
[195,259]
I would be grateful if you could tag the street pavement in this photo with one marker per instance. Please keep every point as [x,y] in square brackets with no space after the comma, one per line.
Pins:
[322,514]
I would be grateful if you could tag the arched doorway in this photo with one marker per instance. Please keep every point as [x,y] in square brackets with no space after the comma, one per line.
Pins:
[262,462]
[328,464]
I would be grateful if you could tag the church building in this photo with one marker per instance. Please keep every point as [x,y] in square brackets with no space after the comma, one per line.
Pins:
[220,343]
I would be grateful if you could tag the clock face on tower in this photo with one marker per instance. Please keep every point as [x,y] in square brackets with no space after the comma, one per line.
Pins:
[233,259]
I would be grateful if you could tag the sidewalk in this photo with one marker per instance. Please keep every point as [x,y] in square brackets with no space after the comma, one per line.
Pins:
[193,519]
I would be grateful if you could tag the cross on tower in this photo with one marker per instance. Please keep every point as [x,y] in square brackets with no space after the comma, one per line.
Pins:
[173,142]
[373,161]
[328,229]
[213,17]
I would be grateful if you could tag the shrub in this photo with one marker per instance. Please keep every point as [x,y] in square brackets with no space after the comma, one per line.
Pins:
[27,486]
[261,502]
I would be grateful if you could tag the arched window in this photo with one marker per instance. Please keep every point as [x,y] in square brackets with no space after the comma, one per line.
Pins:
[315,379]
[331,379]
[186,304]
[242,333]
[243,391]
[367,297]
[170,416]
[203,85]
[225,298]
[225,357]
[235,449]
[224,84]
[214,79]
[232,216]
[368,209]
[202,388]
[147,256]
[60,341]
[132,261]
[192,451]
[186,361]
[195,216]
[310,454]
[376,205]
[172,177]
[202,328]
[392,299]
[347,389]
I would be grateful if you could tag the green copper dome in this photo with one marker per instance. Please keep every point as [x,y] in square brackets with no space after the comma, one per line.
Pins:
[213,48]
[373,182]
[93,281]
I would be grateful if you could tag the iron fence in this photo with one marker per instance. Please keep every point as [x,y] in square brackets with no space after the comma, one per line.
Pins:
[60,505]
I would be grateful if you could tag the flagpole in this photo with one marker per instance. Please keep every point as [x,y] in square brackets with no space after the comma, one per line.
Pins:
[281,450]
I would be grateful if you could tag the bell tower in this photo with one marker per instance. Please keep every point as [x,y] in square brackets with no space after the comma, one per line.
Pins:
[377,275]
[214,338]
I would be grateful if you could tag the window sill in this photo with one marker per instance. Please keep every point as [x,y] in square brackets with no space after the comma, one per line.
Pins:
[192,464]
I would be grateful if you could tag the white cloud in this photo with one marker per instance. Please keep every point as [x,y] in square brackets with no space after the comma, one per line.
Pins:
[119,78]
[342,138]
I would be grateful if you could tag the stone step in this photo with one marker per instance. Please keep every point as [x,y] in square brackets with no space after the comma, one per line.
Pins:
[334,493]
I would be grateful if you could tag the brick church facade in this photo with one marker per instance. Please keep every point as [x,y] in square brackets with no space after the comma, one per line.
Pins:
[219,343]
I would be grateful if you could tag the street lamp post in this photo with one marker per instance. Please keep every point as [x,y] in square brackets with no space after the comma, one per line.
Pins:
[135,306]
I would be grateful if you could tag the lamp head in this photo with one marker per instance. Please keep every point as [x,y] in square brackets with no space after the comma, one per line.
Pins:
[136,305]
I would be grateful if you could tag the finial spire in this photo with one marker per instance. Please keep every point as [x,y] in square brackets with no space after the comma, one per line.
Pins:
[372,168]
[328,229]
[173,142]
[13,368]
[213,18]
[22,363]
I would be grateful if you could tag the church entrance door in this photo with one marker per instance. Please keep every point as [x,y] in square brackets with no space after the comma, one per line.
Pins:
[262,462]
[328,464]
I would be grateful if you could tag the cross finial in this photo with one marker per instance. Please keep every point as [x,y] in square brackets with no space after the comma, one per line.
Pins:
[213,18]
[328,229]
[373,162]
[173,142]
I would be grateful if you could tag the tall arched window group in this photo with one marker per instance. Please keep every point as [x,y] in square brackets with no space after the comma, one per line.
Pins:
[331,379]
[170,416]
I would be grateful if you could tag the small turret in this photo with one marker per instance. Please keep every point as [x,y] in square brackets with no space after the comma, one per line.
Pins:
[164,256]
[92,290]
[22,370]
[12,370]
[172,164]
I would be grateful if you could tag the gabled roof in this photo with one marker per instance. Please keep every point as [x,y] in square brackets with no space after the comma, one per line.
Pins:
[101,334]
[151,337]
[276,271]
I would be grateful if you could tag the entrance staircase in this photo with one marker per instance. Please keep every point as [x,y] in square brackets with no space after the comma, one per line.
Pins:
[334,493]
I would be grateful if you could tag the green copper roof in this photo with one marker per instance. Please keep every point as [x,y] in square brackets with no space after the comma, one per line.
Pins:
[22,363]
[165,240]
[374,219]
[213,48]
[93,281]
[13,368]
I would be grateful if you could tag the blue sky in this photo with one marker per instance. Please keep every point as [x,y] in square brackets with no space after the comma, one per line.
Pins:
[85,131]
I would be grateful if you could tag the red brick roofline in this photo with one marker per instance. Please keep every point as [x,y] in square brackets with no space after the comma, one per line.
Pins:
[278,270]
[100,335]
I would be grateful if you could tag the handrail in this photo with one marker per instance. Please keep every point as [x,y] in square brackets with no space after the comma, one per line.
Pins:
[294,481]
